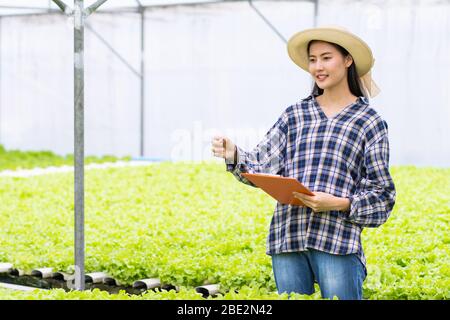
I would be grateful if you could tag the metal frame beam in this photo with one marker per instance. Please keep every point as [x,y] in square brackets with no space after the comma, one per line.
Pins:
[316,12]
[111,48]
[64,7]
[142,82]
[271,26]
[133,9]
[79,14]
[23,8]
[89,10]
[79,142]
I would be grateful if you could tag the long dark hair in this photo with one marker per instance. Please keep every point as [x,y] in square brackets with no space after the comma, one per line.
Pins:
[354,83]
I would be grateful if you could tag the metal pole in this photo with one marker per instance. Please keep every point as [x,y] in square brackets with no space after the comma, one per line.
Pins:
[79,141]
[142,76]
[316,12]
[79,15]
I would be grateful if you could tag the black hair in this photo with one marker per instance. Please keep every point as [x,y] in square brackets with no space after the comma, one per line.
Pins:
[353,80]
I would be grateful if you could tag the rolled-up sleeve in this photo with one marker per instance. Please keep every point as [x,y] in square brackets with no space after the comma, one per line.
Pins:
[374,199]
[267,157]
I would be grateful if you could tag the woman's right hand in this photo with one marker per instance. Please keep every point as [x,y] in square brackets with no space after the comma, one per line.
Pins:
[223,147]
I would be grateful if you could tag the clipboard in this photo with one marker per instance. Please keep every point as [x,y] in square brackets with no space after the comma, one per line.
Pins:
[279,187]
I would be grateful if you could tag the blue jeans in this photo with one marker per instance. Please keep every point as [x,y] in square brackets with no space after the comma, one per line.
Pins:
[337,275]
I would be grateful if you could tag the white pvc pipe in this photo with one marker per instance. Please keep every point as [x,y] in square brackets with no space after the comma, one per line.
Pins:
[208,290]
[43,273]
[147,283]
[5,267]
[96,277]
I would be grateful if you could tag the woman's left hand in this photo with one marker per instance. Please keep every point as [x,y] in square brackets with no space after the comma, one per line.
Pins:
[321,202]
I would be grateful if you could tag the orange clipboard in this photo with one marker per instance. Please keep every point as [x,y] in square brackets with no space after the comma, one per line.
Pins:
[280,188]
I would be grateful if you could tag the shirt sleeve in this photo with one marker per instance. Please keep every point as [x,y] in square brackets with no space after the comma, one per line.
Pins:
[267,157]
[374,199]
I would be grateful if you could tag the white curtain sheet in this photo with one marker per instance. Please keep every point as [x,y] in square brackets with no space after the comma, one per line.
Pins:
[217,68]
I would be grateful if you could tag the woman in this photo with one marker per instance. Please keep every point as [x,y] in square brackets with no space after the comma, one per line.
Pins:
[336,145]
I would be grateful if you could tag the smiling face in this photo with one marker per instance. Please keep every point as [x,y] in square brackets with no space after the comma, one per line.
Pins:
[327,65]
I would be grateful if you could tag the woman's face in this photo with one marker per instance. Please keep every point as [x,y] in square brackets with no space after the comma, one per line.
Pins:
[327,65]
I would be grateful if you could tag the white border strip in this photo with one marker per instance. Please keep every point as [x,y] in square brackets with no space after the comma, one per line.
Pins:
[42,171]
[17,287]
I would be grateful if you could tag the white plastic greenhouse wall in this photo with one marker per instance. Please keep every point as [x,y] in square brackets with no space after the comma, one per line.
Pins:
[217,68]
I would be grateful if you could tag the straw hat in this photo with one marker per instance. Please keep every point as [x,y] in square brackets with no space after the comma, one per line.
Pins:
[362,55]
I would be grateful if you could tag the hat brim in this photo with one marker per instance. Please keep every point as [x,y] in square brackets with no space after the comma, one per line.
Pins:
[360,51]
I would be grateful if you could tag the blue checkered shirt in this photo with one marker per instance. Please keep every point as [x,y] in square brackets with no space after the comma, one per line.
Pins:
[346,155]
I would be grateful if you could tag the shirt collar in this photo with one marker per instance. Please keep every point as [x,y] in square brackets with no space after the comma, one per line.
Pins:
[361,99]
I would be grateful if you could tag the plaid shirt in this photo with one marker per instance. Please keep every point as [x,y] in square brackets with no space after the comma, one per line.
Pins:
[346,155]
